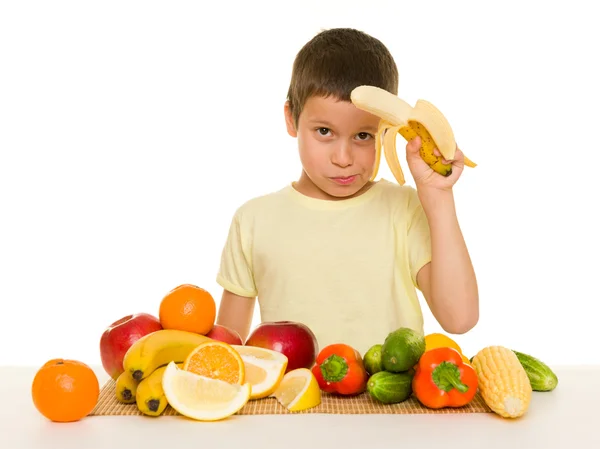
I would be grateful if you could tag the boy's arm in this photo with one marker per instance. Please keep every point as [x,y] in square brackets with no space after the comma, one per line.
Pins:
[448,282]
[236,312]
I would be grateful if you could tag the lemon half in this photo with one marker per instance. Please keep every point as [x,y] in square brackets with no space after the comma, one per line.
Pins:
[298,390]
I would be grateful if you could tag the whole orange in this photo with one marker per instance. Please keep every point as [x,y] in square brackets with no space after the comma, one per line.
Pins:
[188,308]
[65,390]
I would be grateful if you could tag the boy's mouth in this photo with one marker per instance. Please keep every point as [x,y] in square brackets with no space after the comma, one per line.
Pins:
[344,180]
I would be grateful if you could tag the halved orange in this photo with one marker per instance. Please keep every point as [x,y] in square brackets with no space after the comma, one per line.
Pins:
[217,360]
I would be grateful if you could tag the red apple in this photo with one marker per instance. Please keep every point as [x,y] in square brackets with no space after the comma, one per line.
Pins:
[223,333]
[295,340]
[120,335]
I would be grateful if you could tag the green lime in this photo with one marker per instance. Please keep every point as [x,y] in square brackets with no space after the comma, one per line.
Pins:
[372,360]
[401,350]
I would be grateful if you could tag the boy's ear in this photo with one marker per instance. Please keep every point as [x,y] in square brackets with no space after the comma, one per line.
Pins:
[289,120]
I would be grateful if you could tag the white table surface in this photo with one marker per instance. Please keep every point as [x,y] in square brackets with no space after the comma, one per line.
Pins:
[564,418]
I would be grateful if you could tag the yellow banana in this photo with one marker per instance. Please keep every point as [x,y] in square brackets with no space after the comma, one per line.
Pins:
[150,397]
[125,388]
[159,348]
[397,116]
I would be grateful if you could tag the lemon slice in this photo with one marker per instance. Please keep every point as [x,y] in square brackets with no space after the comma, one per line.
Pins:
[264,369]
[202,398]
[298,390]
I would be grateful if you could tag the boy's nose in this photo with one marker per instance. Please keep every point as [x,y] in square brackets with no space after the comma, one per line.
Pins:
[342,154]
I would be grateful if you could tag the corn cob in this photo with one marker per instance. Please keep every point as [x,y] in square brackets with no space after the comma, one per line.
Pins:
[397,116]
[503,382]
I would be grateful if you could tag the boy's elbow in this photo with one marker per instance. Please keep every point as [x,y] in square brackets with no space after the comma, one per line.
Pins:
[462,324]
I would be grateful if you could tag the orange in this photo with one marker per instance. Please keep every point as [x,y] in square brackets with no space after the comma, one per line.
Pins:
[188,308]
[65,390]
[217,360]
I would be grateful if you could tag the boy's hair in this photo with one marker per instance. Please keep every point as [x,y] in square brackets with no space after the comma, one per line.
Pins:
[336,61]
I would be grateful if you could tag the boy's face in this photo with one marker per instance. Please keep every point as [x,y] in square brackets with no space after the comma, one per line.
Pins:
[336,141]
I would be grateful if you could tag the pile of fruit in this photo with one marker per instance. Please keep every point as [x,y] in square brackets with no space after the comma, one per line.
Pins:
[204,371]
[183,358]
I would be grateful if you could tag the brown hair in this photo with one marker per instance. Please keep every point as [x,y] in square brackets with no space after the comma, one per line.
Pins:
[336,61]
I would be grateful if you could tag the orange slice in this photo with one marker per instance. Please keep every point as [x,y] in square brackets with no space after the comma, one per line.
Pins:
[216,360]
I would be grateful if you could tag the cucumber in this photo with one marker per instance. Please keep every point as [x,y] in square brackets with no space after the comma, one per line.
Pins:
[402,350]
[390,388]
[541,377]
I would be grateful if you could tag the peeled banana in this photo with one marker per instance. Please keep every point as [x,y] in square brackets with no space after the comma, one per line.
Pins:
[398,117]
[150,397]
[159,348]
[126,387]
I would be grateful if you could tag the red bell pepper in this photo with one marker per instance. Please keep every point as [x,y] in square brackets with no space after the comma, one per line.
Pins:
[339,369]
[443,380]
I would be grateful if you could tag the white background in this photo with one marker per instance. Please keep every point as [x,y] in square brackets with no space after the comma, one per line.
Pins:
[131,131]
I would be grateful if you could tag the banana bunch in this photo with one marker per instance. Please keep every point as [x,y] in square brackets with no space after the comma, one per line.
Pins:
[145,363]
[148,394]
[398,117]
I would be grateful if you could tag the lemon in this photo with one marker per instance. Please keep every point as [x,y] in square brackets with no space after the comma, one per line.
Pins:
[202,398]
[298,390]
[264,369]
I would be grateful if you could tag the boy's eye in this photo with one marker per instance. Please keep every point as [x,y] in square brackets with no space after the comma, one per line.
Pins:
[323,131]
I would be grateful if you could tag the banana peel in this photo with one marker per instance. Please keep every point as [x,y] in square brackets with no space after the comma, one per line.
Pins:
[399,117]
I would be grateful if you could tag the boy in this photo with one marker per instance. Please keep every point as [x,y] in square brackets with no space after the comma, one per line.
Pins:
[334,250]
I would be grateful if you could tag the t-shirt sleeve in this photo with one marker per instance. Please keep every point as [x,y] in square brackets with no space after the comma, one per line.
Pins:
[235,271]
[418,237]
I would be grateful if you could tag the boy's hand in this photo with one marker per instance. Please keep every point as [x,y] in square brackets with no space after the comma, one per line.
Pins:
[424,175]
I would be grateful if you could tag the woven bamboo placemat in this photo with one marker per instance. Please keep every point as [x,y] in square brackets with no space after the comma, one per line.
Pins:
[330,404]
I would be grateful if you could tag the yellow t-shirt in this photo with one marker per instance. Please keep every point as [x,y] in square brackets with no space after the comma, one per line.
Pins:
[347,269]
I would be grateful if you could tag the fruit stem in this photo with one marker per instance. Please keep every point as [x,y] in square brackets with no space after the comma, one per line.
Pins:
[334,368]
[447,376]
